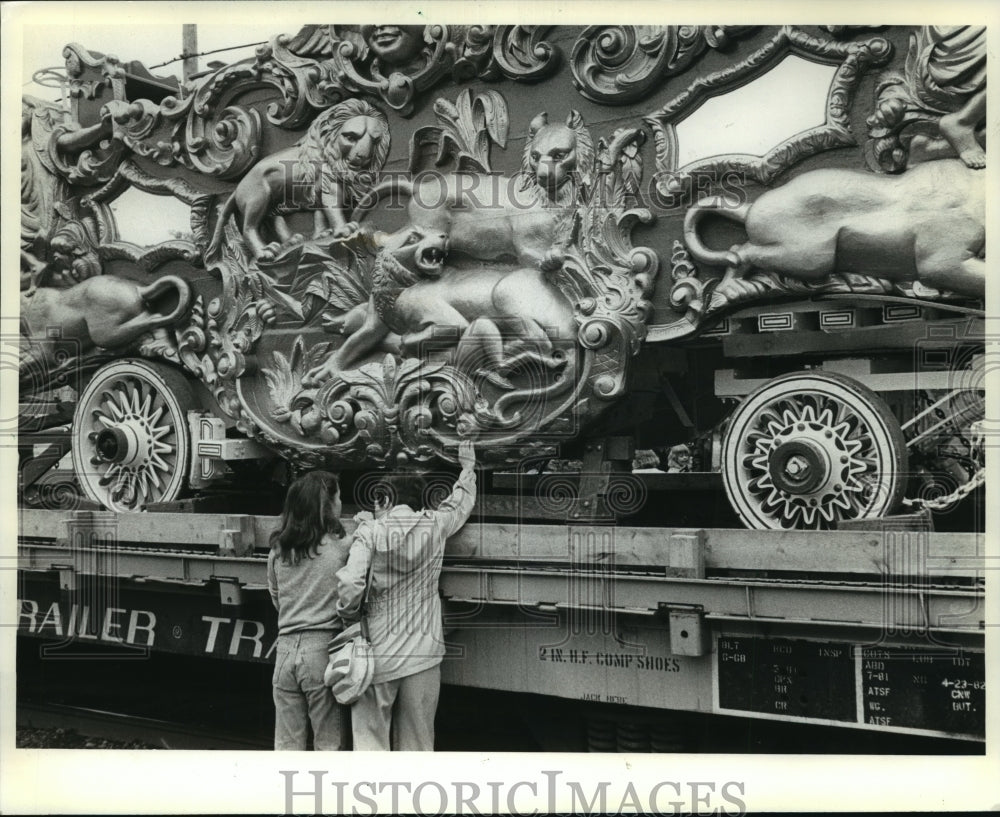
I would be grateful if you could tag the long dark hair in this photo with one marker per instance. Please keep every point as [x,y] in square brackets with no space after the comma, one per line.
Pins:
[307,516]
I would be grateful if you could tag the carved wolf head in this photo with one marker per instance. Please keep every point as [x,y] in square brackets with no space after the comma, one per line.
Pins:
[557,154]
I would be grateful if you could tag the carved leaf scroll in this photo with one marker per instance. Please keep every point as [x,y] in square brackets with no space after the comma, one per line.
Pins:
[854,59]
[467,129]
[616,65]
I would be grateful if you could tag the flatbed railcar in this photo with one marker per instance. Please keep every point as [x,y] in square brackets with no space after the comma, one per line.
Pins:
[728,401]
[879,630]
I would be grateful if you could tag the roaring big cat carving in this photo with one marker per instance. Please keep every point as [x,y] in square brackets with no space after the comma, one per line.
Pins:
[394,238]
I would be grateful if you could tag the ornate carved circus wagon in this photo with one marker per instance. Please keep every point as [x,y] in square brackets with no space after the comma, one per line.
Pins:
[539,238]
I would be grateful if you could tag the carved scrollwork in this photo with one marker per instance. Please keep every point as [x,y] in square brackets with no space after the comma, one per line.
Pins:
[621,64]
[429,353]
[227,146]
[854,59]
[90,155]
[220,140]
[522,53]
[127,175]
[394,62]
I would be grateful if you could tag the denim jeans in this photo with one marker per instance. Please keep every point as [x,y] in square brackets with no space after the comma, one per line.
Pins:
[398,715]
[301,698]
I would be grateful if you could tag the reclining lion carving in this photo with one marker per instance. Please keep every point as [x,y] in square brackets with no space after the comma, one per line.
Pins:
[326,172]
[924,225]
[416,296]
[103,311]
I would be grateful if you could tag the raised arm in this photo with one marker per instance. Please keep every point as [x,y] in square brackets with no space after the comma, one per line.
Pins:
[457,507]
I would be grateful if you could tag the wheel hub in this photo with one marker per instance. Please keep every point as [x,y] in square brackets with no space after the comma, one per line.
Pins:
[799,466]
[129,445]
[807,462]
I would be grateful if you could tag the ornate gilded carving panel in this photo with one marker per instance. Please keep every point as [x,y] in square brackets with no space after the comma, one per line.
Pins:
[402,236]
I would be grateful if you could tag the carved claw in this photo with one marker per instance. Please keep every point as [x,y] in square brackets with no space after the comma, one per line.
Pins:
[269,252]
[552,260]
[334,324]
[318,375]
[267,312]
[496,379]
[346,230]
[737,266]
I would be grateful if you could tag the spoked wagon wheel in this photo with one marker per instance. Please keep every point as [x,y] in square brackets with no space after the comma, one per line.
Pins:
[131,443]
[807,450]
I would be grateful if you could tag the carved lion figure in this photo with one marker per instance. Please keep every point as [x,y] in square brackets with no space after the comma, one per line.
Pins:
[327,171]
[105,311]
[925,225]
[416,296]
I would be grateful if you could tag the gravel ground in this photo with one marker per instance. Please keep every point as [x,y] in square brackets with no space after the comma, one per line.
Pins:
[30,738]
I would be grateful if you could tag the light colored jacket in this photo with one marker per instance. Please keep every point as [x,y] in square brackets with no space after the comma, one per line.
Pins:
[405,548]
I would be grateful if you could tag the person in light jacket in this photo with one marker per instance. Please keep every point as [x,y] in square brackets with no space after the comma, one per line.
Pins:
[405,547]
[307,550]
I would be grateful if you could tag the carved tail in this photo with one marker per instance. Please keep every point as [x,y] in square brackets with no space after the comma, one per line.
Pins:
[718,206]
[534,394]
[220,226]
[161,285]
[374,196]
[145,319]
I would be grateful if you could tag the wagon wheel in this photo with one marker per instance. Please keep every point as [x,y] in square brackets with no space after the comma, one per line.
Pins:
[131,442]
[807,450]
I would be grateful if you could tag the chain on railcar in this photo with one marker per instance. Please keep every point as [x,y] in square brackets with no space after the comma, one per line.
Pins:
[533,237]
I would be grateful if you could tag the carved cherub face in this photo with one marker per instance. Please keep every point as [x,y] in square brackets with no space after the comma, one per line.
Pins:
[552,156]
[357,141]
[394,45]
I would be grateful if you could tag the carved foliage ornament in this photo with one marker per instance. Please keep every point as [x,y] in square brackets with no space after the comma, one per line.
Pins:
[319,67]
[853,60]
[937,106]
[445,329]
[620,64]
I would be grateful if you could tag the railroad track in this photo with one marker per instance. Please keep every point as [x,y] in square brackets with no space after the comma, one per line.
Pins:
[98,723]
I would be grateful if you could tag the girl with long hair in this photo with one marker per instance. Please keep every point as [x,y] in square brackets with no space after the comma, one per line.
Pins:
[307,550]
